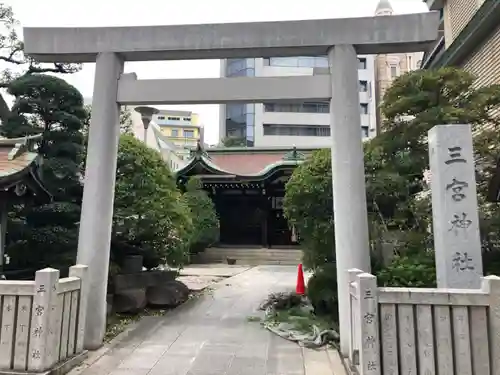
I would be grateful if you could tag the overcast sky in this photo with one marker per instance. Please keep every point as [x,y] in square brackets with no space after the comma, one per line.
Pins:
[64,13]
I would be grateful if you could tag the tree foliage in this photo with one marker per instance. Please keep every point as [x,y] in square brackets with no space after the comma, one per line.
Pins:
[308,205]
[418,101]
[17,63]
[126,121]
[395,162]
[50,106]
[150,216]
[234,142]
[412,106]
[205,230]
[149,213]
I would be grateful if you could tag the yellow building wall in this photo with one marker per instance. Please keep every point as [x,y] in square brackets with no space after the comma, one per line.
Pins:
[167,131]
[195,119]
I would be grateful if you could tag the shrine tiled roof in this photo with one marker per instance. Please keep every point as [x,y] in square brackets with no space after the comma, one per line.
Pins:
[244,162]
[19,168]
[15,156]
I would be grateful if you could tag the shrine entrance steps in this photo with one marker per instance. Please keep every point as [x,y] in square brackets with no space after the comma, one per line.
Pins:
[251,256]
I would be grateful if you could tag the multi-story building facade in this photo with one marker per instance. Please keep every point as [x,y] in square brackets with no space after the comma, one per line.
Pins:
[172,133]
[390,66]
[284,125]
[469,38]
[174,156]
[182,128]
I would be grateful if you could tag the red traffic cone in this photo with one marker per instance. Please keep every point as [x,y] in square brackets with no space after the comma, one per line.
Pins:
[301,287]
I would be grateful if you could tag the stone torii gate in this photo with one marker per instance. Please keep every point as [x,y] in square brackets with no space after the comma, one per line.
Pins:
[340,39]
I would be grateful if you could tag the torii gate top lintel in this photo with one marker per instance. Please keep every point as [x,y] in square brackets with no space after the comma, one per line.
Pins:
[369,35]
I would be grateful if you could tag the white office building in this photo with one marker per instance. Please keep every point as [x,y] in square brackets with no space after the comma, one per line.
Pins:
[291,124]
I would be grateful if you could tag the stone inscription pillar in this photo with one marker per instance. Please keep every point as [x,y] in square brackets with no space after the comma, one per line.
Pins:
[348,174]
[42,342]
[99,190]
[457,244]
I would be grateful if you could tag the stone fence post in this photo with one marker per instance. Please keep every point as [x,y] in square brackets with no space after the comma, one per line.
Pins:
[40,354]
[369,339]
[81,272]
[491,285]
[352,277]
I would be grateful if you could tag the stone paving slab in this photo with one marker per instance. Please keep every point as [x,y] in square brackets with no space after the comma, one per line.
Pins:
[211,335]
[199,283]
[216,269]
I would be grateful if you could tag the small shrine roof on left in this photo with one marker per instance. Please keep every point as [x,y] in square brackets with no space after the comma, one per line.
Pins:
[19,165]
[15,156]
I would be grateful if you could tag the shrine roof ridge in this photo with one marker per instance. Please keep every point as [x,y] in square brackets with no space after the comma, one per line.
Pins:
[12,142]
[257,150]
[220,172]
[369,35]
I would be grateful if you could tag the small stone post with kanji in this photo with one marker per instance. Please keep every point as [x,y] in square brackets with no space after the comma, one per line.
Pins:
[455,216]
[41,355]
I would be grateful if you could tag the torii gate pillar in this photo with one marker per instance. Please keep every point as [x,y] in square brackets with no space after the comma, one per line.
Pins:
[348,174]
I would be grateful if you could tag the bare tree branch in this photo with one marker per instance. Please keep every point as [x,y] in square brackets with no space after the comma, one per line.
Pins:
[11,51]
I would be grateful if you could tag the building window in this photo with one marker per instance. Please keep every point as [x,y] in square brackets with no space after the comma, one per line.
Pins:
[305,62]
[187,118]
[364,131]
[240,122]
[361,63]
[188,133]
[174,118]
[297,130]
[298,61]
[313,107]
[175,133]
[363,86]
[394,71]
[240,117]
[161,117]
[364,108]
[240,67]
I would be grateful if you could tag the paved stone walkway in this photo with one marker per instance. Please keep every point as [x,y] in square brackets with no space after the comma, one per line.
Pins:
[217,269]
[213,336]
[199,277]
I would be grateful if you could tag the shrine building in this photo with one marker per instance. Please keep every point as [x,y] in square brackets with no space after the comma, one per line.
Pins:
[247,186]
[20,182]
